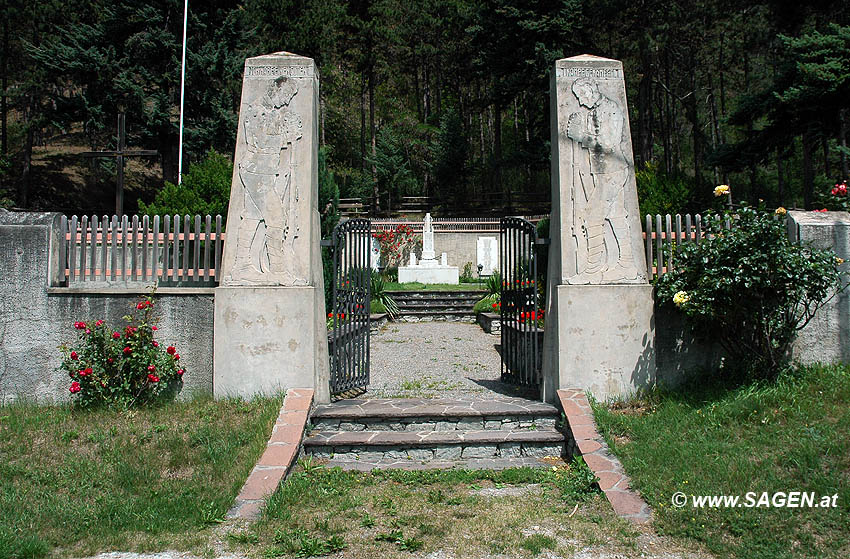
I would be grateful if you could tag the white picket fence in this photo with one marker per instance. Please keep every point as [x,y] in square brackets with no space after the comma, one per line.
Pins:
[186,250]
[168,249]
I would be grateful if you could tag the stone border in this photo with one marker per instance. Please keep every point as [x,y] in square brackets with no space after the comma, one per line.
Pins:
[584,440]
[281,450]
[489,322]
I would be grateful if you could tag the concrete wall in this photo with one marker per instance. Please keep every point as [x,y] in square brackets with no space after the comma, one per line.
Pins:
[36,317]
[461,247]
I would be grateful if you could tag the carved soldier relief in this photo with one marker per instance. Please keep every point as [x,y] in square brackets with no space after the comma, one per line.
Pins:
[602,216]
[269,221]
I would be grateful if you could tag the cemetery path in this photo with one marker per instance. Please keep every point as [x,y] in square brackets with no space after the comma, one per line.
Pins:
[437,360]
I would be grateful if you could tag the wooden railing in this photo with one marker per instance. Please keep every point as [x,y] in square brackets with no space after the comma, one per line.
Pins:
[662,232]
[168,249]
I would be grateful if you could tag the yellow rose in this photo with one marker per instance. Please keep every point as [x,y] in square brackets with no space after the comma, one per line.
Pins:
[781,211]
[680,298]
[839,261]
[721,190]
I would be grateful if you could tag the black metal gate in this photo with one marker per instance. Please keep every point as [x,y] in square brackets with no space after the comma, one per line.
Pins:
[348,338]
[522,338]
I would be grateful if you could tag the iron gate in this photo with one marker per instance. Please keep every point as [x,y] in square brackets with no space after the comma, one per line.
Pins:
[522,338]
[348,339]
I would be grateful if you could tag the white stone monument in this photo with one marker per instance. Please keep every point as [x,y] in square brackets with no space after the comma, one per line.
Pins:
[428,270]
[270,331]
[599,323]
[488,255]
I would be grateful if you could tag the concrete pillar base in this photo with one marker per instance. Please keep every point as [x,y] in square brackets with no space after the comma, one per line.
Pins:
[268,339]
[604,341]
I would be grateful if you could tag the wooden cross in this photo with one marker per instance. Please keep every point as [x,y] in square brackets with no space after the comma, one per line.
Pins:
[120,154]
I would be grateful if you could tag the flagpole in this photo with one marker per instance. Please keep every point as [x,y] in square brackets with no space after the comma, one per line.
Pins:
[182,93]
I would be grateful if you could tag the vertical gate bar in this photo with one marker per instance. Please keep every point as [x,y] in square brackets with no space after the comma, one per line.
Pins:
[668,233]
[145,231]
[93,248]
[688,228]
[134,231]
[352,282]
[63,249]
[678,234]
[113,258]
[125,226]
[335,323]
[84,231]
[155,257]
[502,298]
[521,236]
[698,235]
[365,278]
[535,291]
[369,303]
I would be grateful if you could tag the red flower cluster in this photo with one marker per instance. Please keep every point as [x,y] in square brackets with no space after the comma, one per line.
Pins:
[840,189]
[74,355]
[144,305]
[116,335]
[394,242]
[341,315]
[86,372]
[80,325]
[497,306]
[75,387]
[153,378]
[824,210]
[171,350]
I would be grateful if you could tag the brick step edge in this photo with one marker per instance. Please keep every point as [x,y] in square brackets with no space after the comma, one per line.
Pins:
[278,458]
[430,438]
[583,439]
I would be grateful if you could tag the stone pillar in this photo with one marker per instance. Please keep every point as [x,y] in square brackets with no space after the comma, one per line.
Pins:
[270,331]
[599,324]
[826,338]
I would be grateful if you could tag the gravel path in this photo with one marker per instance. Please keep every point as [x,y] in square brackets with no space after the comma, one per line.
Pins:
[437,360]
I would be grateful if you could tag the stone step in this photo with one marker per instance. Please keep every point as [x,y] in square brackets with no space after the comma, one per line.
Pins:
[468,464]
[436,295]
[428,414]
[435,311]
[386,446]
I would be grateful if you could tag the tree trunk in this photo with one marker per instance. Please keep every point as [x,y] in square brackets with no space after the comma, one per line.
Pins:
[24,184]
[808,171]
[372,132]
[825,145]
[497,150]
[363,124]
[645,138]
[4,109]
[780,176]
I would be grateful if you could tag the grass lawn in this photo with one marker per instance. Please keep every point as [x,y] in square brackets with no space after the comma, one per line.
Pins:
[415,286]
[519,512]
[75,483]
[707,439]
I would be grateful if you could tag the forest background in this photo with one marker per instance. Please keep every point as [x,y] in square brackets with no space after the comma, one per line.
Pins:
[447,99]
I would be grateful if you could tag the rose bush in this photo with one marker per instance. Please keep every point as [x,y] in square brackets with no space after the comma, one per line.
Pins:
[750,286]
[396,244]
[125,367]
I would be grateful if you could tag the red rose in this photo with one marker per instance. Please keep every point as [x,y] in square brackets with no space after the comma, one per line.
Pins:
[127,350]
[116,335]
[110,361]
[86,372]
[177,357]
[180,372]
[99,323]
[153,378]
[74,355]
[171,350]
[80,325]
[151,368]
[75,387]
[155,343]
[154,328]
[141,305]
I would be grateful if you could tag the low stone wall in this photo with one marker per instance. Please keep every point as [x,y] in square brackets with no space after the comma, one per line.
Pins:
[489,322]
[36,316]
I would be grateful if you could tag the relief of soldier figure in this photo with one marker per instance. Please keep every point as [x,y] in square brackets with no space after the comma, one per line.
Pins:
[269,221]
[600,218]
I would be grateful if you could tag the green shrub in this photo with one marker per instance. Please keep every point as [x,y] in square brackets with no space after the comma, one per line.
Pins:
[661,193]
[205,190]
[487,304]
[111,367]
[380,295]
[750,286]
[494,284]
[377,307]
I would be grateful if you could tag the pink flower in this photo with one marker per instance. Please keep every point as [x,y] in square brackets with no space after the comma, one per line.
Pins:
[75,387]
[74,355]
[153,378]
[88,331]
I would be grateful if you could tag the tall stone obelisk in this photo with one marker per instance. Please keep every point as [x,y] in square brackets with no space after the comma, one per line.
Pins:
[599,325]
[270,331]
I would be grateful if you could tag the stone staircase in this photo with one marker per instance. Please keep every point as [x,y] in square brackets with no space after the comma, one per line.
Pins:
[422,306]
[435,433]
